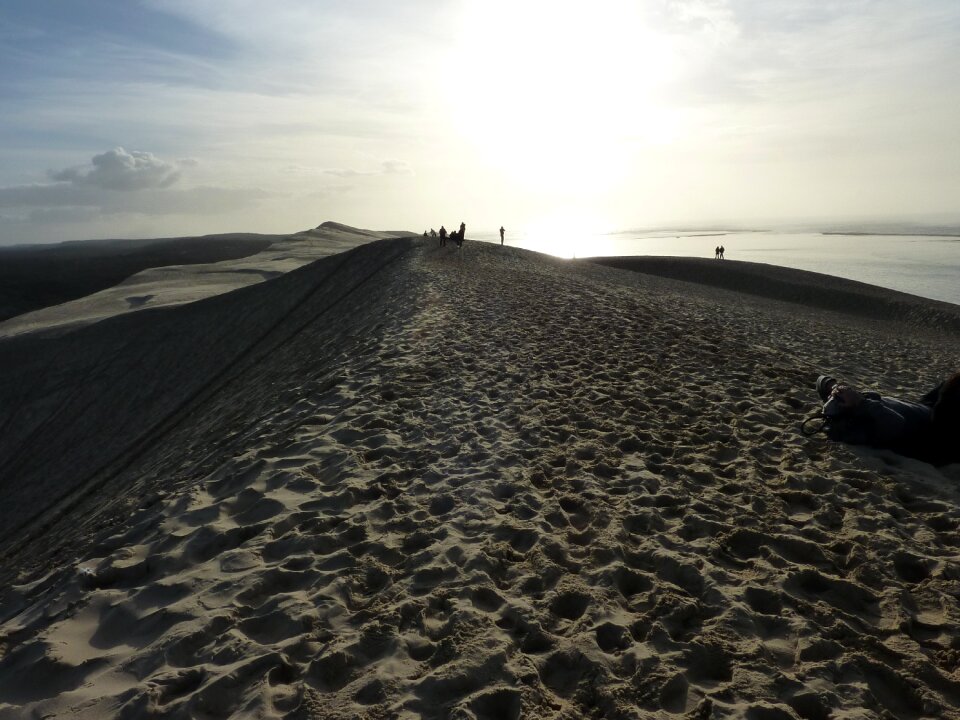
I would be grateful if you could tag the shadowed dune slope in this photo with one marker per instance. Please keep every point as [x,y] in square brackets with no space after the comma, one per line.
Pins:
[206,266]
[799,286]
[409,481]
[37,276]
[73,409]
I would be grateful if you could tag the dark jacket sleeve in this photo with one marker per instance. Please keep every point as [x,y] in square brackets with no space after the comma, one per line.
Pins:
[885,427]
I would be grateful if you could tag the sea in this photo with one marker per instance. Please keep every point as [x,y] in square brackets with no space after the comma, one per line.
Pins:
[924,265]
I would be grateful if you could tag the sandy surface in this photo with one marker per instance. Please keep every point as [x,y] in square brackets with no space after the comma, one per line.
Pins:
[813,290]
[409,482]
[33,277]
[180,284]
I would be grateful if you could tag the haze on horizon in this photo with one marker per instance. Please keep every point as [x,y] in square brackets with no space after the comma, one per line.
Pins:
[148,118]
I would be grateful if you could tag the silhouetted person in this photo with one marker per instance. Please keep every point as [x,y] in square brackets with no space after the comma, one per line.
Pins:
[716,253]
[721,252]
[502,231]
[443,236]
[433,233]
[463,231]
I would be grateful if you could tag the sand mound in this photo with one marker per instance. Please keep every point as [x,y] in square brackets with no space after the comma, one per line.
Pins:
[167,273]
[406,481]
[37,276]
[813,290]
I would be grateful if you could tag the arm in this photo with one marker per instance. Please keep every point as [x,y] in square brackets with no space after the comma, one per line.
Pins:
[874,422]
[887,426]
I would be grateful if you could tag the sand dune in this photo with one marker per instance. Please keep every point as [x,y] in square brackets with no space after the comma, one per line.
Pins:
[799,286]
[38,276]
[164,281]
[404,481]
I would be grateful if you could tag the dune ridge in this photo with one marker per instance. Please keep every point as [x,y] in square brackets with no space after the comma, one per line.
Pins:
[814,290]
[417,482]
[37,276]
[95,280]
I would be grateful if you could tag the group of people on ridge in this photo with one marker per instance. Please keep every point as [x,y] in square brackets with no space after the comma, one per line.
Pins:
[456,236]
[718,252]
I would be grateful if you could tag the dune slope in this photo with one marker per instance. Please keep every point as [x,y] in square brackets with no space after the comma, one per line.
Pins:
[406,481]
[168,272]
[799,286]
[37,276]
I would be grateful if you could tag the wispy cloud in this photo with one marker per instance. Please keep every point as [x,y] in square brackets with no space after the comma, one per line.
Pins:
[387,167]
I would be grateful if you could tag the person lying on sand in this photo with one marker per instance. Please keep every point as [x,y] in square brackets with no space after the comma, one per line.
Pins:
[927,430]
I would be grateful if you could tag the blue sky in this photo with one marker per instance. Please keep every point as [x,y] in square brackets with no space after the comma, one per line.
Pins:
[166,117]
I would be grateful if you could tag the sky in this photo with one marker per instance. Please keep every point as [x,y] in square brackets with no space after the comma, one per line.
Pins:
[151,118]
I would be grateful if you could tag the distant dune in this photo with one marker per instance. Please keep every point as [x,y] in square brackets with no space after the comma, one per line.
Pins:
[53,289]
[811,289]
[411,481]
[37,276]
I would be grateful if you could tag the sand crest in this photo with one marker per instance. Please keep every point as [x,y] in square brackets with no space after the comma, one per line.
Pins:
[814,290]
[406,481]
[169,282]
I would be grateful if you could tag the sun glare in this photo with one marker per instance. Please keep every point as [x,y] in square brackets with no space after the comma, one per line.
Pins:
[567,235]
[558,94]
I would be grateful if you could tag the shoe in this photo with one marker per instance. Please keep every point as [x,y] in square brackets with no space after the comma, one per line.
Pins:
[825,385]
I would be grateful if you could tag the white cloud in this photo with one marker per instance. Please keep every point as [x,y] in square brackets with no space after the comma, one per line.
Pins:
[119,182]
[118,169]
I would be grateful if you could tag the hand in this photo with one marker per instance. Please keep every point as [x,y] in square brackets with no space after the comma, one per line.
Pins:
[846,395]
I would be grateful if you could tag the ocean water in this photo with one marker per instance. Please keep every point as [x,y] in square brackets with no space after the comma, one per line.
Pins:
[928,266]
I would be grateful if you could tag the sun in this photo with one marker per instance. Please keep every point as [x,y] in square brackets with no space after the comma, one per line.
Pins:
[567,234]
[559,94]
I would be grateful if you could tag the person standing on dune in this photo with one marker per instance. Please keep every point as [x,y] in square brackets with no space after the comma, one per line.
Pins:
[502,231]
[443,236]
